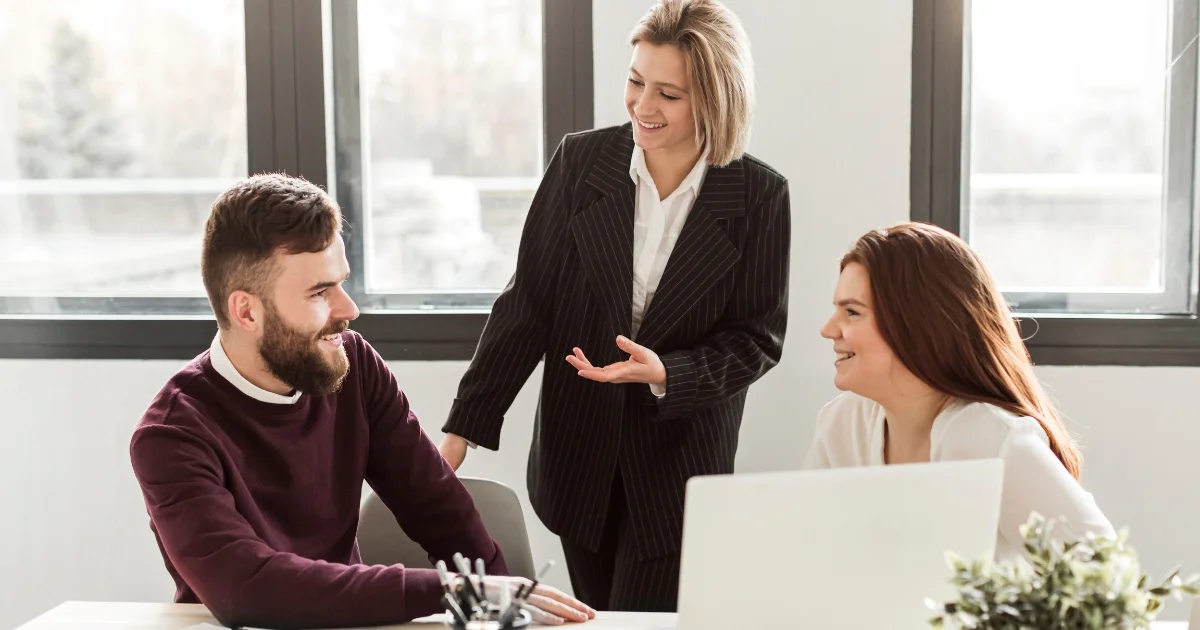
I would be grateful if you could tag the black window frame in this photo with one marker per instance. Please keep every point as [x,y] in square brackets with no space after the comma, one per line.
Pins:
[288,131]
[935,196]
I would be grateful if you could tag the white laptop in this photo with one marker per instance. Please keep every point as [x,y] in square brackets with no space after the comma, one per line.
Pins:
[841,548]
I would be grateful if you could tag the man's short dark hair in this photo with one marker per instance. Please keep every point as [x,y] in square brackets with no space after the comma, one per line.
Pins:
[250,222]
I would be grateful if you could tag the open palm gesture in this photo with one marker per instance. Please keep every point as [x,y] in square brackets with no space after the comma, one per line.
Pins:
[642,366]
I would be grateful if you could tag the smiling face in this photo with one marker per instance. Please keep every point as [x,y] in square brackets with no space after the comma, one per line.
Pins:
[657,99]
[865,363]
[301,342]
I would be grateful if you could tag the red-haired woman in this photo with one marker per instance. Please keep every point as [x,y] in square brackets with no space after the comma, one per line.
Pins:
[933,368]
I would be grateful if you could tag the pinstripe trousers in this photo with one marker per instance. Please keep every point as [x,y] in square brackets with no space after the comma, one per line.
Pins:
[613,577]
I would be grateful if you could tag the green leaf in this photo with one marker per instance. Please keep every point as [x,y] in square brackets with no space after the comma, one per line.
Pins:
[1062,583]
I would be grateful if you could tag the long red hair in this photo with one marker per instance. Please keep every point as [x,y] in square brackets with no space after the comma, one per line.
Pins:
[939,310]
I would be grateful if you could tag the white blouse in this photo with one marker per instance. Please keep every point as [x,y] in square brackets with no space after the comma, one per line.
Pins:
[850,432]
[657,224]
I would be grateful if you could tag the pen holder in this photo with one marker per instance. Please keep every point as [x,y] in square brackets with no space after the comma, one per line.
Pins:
[490,619]
[469,609]
[467,605]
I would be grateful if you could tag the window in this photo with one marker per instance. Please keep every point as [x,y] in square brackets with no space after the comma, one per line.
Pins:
[1058,138]
[451,118]
[108,163]
[429,120]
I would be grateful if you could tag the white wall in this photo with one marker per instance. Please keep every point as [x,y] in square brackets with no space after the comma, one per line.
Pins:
[833,117]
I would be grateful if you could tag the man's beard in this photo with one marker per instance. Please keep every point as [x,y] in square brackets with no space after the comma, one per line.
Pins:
[295,358]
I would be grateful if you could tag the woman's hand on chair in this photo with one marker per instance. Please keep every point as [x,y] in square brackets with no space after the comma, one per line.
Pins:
[454,450]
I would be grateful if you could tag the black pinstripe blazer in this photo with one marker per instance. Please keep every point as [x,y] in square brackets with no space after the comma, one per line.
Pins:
[717,321]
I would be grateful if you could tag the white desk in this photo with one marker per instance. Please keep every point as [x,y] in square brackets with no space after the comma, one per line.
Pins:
[130,616]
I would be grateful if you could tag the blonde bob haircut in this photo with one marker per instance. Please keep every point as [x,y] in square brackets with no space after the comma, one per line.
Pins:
[721,72]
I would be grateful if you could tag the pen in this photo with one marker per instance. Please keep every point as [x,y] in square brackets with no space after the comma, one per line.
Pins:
[448,585]
[536,580]
[506,618]
[506,593]
[522,595]
[460,565]
[456,610]
[464,566]
[466,595]
[479,570]
[510,606]
[466,599]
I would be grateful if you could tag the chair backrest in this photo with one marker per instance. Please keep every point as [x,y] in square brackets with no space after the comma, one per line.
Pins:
[381,541]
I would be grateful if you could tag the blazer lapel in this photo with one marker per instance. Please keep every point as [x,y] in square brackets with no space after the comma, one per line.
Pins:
[603,231]
[703,252]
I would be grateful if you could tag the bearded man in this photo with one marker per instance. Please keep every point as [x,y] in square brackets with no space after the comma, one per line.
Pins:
[252,457]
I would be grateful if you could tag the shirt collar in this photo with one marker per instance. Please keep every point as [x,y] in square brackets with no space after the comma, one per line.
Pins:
[224,367]
[638,169]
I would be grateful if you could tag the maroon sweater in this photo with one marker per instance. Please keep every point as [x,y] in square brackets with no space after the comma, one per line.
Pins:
[255,505]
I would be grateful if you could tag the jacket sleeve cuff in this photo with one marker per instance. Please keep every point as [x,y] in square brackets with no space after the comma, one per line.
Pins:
[680,394]
[477,427]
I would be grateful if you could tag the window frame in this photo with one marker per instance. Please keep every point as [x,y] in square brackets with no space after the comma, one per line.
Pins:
[936,196]
[289,129]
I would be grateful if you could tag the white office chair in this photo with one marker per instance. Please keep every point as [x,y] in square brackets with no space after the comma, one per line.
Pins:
[381,541]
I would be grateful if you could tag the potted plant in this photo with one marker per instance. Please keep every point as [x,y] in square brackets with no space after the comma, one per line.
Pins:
[1086,584]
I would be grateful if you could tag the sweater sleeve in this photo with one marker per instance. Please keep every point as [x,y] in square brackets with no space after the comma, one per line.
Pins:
[408,473]
[235,574]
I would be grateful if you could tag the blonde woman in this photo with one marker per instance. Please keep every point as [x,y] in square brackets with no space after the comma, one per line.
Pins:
[652,278]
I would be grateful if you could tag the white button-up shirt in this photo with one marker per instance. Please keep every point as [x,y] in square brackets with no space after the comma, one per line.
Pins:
[656,226]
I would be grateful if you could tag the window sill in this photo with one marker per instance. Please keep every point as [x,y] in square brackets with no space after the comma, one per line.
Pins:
[1113,340]
[397,336]
[1052,339]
